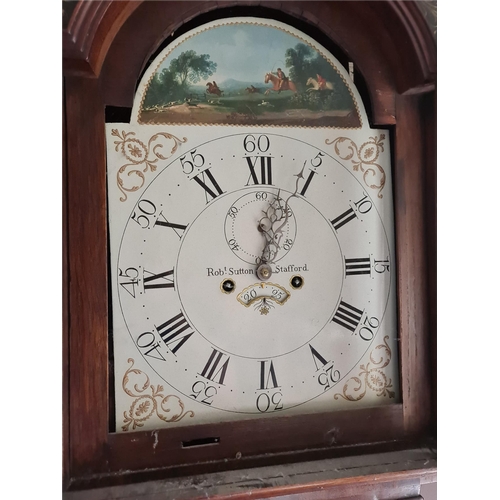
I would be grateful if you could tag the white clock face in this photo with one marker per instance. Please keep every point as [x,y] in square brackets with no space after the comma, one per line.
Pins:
[253,273]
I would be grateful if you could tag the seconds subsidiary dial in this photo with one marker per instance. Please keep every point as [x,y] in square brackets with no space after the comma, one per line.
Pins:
[254,273]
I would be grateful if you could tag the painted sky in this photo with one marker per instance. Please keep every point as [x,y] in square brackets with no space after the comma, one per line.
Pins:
[244,52]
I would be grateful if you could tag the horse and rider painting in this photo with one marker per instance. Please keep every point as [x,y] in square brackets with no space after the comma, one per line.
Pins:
[252,73]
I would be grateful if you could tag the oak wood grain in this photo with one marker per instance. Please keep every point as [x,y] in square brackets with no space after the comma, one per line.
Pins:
[383,475]
[87,274]
[411,248]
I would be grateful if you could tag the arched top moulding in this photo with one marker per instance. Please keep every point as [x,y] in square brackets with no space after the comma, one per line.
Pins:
[113,41]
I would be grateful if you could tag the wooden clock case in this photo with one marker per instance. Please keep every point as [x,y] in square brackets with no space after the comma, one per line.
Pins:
[389,450]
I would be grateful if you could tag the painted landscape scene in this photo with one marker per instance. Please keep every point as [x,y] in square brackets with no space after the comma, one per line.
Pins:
[248,74]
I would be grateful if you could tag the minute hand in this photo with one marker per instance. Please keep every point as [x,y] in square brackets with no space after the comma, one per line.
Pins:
[276,214]
[273,216]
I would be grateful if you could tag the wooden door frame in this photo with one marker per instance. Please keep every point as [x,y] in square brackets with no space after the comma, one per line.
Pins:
[400,73]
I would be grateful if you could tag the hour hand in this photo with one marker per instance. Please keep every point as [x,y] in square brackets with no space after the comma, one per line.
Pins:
[264,270]
[271,226]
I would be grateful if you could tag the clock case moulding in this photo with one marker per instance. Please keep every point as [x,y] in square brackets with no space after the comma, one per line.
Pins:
[106,47]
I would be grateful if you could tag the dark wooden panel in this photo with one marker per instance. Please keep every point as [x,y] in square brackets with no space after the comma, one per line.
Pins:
[412,263]
[87,274]
[65,301]
[89,32]
[430,202]
[385,475]
[255,438]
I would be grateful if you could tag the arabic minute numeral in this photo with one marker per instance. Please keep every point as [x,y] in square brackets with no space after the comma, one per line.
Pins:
[261,144]
[381,266]
[128,279]
[196,160]
[145,213]
[266,402]
[364,205]
[203,392]
[366,331]
[328,377]
[317,160]
[150,346]
[233,212]
[233,244]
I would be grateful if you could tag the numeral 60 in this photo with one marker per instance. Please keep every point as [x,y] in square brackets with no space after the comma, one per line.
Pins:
[262,143]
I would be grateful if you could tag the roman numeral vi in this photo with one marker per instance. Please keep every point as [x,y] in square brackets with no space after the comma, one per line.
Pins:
[267,375]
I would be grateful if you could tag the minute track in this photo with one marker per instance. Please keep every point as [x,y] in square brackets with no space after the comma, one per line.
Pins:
[223,340]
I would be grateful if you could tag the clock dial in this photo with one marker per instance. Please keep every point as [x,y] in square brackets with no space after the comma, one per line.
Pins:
[251,234]
[189,274]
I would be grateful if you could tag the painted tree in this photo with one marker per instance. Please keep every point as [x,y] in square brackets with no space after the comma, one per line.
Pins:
[191,67]
[163,89]
[299,60]
[172,83]
[304,62]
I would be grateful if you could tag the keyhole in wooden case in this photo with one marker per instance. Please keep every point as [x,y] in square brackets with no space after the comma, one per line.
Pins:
[208,441]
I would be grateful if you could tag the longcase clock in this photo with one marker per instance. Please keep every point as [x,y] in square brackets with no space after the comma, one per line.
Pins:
[250,289]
